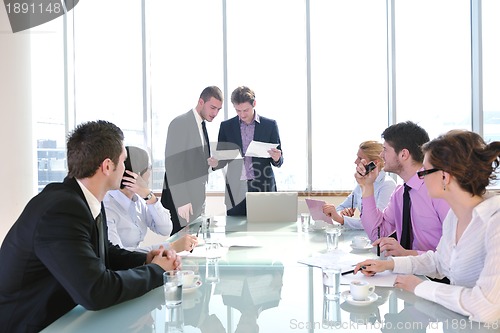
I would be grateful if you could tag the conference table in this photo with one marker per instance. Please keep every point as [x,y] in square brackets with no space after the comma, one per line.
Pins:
[260,284]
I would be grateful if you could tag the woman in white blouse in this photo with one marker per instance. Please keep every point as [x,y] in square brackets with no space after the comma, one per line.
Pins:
[458,167]
[384,186]
[133,209]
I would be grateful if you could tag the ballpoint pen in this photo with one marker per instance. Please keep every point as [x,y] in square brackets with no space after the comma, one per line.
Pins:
[378,245]
[197,233]
[352,270]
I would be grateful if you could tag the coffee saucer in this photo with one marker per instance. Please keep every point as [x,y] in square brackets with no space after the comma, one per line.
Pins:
[192,288]
[347,296]
[367,247]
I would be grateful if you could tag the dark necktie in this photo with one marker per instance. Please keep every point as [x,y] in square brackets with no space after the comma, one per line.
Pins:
[205,135]
[406,233]
[100,230]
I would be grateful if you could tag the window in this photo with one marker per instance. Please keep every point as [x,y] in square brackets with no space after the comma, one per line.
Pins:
[267,52]
[319,68]
[349,86]
[433,64]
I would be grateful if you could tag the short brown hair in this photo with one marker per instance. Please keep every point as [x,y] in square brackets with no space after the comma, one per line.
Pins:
[90,144]
[211,91]
[464,155]
[242,94]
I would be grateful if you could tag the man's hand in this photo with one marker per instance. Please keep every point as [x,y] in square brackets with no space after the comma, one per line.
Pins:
[166,259]
[391,247]
[185,211]
[275,154]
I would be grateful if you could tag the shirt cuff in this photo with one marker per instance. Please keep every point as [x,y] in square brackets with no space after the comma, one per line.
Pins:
[427,290]
[402,265]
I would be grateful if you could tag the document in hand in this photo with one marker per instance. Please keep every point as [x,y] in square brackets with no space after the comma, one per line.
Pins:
[316,210]
[259,149]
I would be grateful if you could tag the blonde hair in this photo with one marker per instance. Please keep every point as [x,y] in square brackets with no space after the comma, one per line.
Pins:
[372,150]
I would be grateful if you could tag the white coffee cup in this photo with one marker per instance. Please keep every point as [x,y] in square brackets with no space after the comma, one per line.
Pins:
[189,279]
[360,290]
[360,241]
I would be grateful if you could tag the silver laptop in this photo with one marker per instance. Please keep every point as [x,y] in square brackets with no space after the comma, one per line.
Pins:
[271,206]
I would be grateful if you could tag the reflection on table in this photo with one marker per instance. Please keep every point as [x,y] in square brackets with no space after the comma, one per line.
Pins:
[264,289]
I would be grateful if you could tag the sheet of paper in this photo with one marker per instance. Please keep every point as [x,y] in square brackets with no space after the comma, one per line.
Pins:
[345,260]
[384,279]
[225,154]
[316,210]
[259,149]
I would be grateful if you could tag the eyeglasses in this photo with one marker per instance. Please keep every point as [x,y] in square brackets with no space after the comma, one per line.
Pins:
[423,173]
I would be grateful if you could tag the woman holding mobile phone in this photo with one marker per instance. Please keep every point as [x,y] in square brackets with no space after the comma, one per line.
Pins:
[384,186]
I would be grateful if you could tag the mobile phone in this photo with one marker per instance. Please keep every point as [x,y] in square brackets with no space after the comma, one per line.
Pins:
[369,167]
[128,166]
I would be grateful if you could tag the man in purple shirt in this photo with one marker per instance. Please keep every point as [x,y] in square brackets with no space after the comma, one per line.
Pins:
[250,174]
[402,155]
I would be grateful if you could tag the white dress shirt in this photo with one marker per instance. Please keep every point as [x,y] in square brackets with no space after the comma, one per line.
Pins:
[383,187]
[129,220]
[472,265]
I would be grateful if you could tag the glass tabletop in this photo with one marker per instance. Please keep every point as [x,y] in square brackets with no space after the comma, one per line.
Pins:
[258,285]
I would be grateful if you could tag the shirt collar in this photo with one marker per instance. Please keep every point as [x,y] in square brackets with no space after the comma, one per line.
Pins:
[415,182]
[94,204]
[256,118]
[122,199]
[197,116]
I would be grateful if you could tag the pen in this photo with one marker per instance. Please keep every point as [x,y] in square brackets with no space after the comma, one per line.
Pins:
[352,270]
[352,202]
[197,233]
[378,245]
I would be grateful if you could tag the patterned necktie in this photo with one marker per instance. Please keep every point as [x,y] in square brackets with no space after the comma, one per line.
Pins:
[406,233]
[100,230]
[205,135]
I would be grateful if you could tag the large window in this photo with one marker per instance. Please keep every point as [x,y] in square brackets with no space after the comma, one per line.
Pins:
[267,52]
[184,42]
[433,64]
[319,68]
[48,101]
[348,86]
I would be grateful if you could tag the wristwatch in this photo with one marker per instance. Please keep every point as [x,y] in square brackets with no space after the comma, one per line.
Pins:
[149,196]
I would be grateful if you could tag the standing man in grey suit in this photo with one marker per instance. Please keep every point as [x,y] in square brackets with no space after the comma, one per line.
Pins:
[250,174]
[187,159]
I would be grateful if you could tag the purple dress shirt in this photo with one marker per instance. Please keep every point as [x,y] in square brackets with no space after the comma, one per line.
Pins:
[247,132]
[427,216]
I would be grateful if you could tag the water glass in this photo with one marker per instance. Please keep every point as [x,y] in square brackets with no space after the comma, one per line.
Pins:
[212,271]
[212,248]
[172,286]
[174,319]
[332,239]
[331,312]
[206,221]
[305,221]
[331,282]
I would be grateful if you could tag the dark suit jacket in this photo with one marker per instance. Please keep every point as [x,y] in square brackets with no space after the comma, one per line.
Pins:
[50,262]
[186,168]
[230,138]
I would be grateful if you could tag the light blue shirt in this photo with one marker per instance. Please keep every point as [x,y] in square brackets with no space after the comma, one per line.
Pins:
[129,220]
[383,186]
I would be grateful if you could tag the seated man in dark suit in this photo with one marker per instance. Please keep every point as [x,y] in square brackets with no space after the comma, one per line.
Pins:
[252,174]
[57,254]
